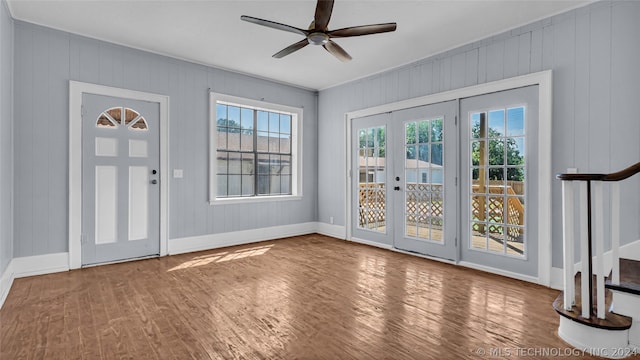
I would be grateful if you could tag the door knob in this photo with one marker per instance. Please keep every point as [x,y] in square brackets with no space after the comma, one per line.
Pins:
[154,172]
[154,181]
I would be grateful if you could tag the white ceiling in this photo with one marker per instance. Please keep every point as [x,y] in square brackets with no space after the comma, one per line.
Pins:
[210,31]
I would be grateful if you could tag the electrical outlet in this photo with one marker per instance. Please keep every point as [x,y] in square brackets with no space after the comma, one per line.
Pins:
[330,219]
[177,173]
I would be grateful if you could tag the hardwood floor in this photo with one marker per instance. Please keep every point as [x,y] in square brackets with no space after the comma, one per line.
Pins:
[308,297]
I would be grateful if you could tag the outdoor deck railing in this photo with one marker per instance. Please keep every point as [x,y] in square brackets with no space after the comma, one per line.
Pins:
[372,200]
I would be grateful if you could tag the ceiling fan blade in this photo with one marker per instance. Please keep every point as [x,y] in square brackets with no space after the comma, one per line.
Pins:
[291,48]
[337,51]
[323,14]
[363,30]
[274,25]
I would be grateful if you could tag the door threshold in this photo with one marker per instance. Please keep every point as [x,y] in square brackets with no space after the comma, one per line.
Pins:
[121,261]
[425,256]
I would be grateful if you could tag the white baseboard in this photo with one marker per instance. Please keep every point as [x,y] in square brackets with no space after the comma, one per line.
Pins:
[446,261]
[6,280]
[336,231]
[627,251]
[557,278]
[371,243]
[30,266]
[40,264]
[213,241]
[531,279]
[631,250]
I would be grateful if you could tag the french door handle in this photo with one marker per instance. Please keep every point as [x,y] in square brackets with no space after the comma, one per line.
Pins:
[396,188]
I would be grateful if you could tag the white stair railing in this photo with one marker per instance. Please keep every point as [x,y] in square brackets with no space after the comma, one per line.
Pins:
[591,236]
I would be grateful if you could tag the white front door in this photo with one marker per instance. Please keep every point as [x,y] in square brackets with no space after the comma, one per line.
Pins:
[120,179]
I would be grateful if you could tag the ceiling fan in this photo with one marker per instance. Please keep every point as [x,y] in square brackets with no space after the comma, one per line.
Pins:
[319,33]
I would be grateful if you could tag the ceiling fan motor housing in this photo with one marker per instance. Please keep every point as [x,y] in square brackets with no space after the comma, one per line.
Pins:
[318,38]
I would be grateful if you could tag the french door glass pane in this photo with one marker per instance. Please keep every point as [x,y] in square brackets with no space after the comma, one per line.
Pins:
[424,186]
[372,185]
[497,170]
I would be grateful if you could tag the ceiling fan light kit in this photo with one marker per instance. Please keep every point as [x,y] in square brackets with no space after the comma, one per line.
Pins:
[318,38]
[319,34]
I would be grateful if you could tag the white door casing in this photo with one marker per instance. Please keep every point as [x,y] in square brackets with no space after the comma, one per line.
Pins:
[76,91]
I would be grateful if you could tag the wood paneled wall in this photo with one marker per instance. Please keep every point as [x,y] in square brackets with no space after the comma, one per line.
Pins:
[593,53]
[45,61]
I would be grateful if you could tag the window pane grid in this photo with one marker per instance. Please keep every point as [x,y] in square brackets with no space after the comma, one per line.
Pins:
[372,182]
[497,193]
[424,171]
[254,152]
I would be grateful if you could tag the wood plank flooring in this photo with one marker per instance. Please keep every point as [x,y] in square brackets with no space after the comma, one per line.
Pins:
[308,297]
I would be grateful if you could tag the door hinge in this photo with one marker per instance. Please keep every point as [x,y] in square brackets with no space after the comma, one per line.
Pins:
[456,241]
[456,181]
[455,121]
[82,239]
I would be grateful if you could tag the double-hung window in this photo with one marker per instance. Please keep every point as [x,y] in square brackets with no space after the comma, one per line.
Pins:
[254,150]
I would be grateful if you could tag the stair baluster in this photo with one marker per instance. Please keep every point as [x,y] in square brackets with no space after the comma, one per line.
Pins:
[568,244]
[588,241]
[615,233]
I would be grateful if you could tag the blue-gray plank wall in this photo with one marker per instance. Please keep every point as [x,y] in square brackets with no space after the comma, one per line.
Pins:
[6,121]
[593,54]
[45,61]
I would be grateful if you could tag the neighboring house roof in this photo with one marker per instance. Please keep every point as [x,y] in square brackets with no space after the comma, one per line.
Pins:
[234,141]
[378,162]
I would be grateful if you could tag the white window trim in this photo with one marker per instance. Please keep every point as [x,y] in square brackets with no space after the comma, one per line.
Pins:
[545,110]
[296,148]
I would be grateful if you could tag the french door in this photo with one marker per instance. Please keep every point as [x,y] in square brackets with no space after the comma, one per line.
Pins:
[404,192]
[455,180]
[499,139]
[425,201]
[372,197]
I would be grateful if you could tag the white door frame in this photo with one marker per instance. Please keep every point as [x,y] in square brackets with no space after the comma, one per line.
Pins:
[76,90]
[545,110]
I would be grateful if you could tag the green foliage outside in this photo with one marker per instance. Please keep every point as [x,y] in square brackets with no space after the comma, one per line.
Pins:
[496,155]
[427,132]
[374,138]
[231,126]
